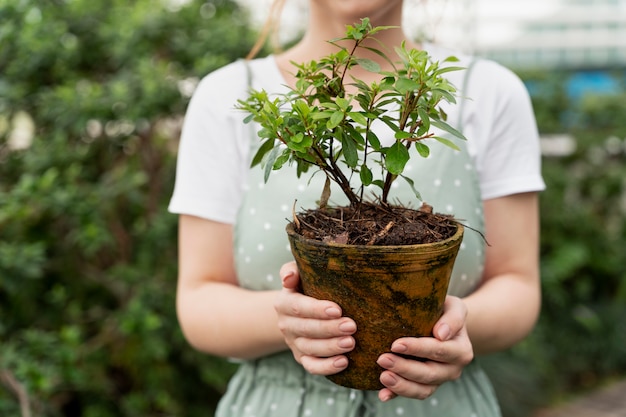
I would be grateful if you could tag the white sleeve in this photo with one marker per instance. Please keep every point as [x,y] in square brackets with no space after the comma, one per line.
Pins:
[213,150]
[508,155]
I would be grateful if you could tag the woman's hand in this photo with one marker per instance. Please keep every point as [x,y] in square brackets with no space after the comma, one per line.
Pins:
[313,329]
[445,355]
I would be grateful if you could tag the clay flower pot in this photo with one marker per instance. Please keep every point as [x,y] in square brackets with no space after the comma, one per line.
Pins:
[390,291]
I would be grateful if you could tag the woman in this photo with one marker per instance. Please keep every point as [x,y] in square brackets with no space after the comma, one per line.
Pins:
[232,303]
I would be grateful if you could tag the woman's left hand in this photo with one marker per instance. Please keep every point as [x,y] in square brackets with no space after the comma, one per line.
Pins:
[445,355]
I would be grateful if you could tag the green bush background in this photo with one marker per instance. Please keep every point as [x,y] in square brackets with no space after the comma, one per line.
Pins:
[88,251]
[580,341]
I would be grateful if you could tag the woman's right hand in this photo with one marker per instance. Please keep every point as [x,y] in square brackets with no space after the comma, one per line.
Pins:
[313,329]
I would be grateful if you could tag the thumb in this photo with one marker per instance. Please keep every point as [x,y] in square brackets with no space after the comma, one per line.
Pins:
[453,319]
[289,276]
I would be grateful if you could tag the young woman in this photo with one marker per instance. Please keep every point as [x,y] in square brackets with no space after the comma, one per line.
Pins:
[237,294]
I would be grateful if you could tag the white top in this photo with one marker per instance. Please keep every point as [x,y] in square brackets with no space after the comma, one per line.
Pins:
[214,153]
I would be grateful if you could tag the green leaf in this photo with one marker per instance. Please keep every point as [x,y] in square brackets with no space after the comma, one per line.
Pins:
[412,185]
[335,120]
[321,115]
[302,108]
[350,153]
[396,157]
[269,162]
[358,117]
[366,175]
[302,166]
[342,103]
[297,138]
[422,149]
[423,115]
[447,142]
[380,53]
[270,108]
[390,122]
[446,95]
[373,140]
[300,142]
[368,65]
[379,28]
[356,136]
[406,85]
[282,159]
[448,69]
[266,133]
[446,127]
[379,183]
[260,153]
[401,134]
[329,105]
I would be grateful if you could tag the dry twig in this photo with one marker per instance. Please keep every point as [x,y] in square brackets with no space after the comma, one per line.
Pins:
[13,385]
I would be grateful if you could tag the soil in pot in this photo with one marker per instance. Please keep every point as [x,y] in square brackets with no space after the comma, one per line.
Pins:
[371,224]
[371,266]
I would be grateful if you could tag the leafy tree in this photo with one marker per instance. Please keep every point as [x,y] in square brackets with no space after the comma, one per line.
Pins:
[92,94]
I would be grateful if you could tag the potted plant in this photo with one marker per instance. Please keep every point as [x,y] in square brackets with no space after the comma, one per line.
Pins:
[369,255]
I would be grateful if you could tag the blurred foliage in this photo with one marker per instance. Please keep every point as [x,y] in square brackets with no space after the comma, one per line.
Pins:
[583,248]
[92,93]
[91,97]
[580,340]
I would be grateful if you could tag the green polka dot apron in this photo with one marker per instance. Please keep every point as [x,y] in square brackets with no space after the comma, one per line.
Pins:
[277,386]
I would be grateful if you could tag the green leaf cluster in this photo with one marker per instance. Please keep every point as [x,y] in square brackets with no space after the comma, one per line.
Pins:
[91,100]
[326,120]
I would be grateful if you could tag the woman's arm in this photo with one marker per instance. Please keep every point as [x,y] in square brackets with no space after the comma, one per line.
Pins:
[216,315]
[504,309]
[221,318]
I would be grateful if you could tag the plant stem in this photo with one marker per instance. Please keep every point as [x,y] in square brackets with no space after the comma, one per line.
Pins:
[344,183]
[336,174]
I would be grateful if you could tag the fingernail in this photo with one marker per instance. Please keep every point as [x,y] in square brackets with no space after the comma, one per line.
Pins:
[385,362]
[347,327]
[333,312]
[385,397]
[388,379]
[288,275]
[346,342]
[443,332]
[341,362]
[399,348]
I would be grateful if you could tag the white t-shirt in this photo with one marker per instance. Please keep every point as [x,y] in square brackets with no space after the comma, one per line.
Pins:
[214,153]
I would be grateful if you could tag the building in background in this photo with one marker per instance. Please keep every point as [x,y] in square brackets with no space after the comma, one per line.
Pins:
[521,34]
[575,34]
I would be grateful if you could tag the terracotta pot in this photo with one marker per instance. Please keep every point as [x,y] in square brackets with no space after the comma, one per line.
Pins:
[390,291]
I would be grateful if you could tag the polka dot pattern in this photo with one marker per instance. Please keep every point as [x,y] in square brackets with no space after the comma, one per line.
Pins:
[277,386]
[297,394]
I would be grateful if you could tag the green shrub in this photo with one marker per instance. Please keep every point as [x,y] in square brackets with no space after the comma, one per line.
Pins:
[580,340]
[584,236]
[91,97]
